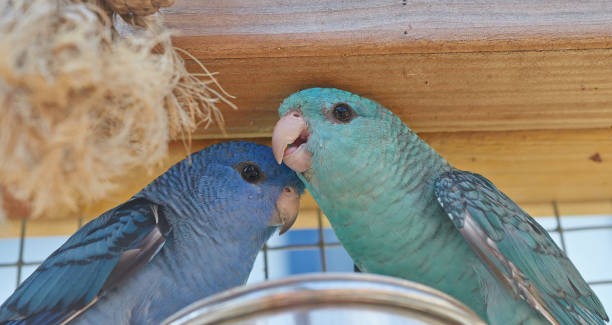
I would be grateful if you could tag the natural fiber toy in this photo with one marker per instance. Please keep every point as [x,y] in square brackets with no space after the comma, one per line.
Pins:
[80,105]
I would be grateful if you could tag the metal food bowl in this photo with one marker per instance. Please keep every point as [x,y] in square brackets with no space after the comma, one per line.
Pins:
[328,298]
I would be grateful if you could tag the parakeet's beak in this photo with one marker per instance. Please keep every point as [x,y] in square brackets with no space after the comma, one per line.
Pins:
[287,207]
[289,141]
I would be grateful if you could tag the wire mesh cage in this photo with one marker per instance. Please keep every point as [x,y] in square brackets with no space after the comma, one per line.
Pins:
[586,239]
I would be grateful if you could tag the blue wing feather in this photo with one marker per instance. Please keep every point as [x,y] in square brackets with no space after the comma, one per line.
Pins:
[523,243]
[48,317]
[75,273]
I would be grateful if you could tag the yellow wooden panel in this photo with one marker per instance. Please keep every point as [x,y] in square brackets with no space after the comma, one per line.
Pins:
[532,167]
[536,166]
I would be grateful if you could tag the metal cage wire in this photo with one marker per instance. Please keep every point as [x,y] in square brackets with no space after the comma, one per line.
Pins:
[321,245]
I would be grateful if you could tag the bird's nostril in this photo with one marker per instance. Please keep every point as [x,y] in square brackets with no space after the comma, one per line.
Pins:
[288,189]
[296,114]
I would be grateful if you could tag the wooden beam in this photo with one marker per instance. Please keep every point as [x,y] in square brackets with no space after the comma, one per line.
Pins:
[573,167]
[536,166]
[267,28]
[433,92]
[442,66]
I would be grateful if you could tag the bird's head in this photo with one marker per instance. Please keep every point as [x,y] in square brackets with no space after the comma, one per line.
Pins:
[238,186]
[329,134]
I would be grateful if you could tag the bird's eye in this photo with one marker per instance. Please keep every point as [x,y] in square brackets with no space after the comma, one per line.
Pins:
[250,172]
[343,113]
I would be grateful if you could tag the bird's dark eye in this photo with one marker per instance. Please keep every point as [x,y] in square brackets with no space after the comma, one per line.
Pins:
[250,172]
[343,113]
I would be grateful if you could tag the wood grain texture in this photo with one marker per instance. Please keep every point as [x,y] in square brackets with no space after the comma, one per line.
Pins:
[443,66]
[535,166]
[267,28]
[516,90]
[444,92]
[532,167]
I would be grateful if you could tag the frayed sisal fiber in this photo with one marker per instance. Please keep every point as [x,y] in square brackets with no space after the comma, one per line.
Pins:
[80,106]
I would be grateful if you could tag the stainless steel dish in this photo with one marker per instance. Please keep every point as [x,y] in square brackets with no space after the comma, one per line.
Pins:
[328,298]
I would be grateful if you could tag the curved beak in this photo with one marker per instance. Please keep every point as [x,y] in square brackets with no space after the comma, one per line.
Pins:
[287,207]
[289,141]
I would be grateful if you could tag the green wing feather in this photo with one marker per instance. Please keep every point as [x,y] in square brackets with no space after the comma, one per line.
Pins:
[517,250]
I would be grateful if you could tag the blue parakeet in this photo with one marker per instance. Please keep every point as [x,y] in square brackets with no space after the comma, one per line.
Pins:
[400,209]
[192,232]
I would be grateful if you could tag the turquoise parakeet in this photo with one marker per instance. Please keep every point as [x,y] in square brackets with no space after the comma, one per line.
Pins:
[194,231]
[400,209]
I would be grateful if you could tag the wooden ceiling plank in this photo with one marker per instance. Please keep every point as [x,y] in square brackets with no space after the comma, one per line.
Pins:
[432,92]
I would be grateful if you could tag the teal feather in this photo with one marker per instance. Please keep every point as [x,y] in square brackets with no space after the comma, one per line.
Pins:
[524,243]
[376,180]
